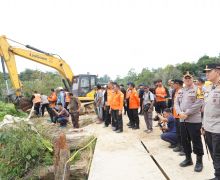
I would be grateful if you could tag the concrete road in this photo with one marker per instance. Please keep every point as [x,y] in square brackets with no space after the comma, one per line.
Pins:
[123,157]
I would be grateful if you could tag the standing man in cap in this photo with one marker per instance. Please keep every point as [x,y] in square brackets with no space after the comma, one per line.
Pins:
[178,84]
[74,109]
[211,119]
[141,93]
[128,92]
[147,106]
[171,91]
[107,100]
[124,92]
[99,103]
[188,106]
[134,104]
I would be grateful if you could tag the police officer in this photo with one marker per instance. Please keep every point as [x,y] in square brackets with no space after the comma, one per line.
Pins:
[188,106]
[178,85]
[211,121]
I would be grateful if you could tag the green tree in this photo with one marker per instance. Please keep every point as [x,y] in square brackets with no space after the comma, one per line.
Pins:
[186,66]
[145,77]
[104,79]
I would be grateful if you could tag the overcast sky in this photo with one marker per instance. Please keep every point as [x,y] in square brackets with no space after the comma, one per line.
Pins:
[113,36]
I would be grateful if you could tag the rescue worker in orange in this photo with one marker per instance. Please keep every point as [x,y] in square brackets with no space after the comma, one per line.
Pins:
[36,99]
[52,99]
[52,103]
[116,108]
[134,104]
[161,94]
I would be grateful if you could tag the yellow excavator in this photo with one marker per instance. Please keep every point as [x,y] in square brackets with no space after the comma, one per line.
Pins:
[82,84]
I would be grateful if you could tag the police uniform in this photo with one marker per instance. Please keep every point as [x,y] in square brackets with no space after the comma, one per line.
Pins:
[178,124]
[211,121]
[188,102]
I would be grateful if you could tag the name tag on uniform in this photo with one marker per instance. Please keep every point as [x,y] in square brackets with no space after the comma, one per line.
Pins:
[216,98]
[216,95]
[192,92]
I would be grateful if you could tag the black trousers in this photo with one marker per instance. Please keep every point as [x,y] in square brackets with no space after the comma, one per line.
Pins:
[49,110]
[43,108]
[160,106]
[129,114]
[190,132]
[134,117]
[125,109]
[118,122]
[107,116]
[66,105]
[37,108]
[169,103]
[141,102]
[213,142]
[103,114]
[179,128]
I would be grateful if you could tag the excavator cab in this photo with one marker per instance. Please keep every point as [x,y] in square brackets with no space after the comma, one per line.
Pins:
[83,86]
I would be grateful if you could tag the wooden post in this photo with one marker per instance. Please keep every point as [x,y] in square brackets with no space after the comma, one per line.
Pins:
[61,155]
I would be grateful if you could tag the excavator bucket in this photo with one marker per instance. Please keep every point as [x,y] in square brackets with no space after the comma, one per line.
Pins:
[23,104]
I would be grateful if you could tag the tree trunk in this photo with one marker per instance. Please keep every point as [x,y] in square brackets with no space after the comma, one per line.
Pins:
[61,155]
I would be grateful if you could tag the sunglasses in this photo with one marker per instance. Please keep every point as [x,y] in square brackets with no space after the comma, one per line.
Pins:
[187,77]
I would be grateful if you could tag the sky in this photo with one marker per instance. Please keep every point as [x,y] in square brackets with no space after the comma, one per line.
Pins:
[113,36]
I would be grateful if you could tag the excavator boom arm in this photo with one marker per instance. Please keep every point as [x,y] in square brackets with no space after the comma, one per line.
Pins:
[8,53]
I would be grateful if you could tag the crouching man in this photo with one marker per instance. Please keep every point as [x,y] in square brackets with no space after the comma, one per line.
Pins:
[169,128]
[62,115]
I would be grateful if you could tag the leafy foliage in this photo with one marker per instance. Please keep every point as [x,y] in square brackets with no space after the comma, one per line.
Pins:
[7,108]
[21,149]
[39,81]
[147,76]
[104,79]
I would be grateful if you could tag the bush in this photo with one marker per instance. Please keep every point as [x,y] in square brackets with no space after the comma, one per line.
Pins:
[8,108]
[21,150]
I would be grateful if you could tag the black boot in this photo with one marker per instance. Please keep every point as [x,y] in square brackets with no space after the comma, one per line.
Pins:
[177,148]
[135,127]
[181,153]
[172,146]
[215,178]
[199,164]
[187,161]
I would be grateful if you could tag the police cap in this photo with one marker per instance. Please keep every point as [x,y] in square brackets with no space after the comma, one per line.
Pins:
[210,67]
[178,81]
[188,75]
